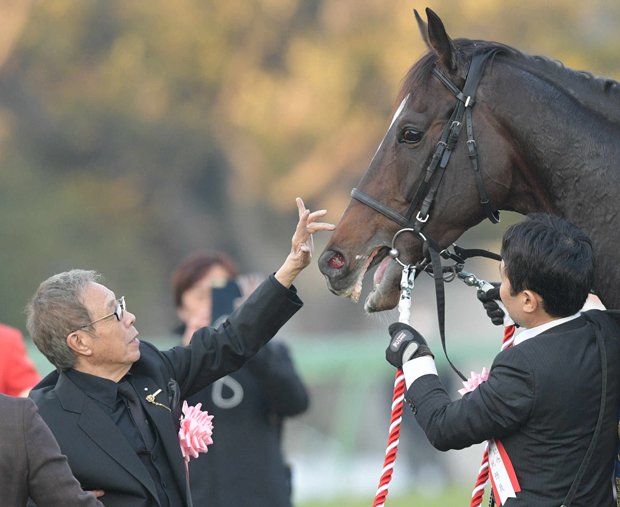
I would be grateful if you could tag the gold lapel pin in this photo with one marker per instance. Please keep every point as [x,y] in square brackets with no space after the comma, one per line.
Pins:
[151,399]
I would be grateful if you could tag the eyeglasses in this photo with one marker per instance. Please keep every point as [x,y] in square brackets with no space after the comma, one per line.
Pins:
[118,312]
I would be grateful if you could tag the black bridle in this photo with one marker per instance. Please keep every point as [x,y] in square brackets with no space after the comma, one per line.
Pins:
[425,194]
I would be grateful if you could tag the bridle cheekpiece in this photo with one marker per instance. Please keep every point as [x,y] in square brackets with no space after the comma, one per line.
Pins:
[426,191]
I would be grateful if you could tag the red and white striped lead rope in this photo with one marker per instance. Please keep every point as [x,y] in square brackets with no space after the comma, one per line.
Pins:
[483,472]
[393,438]
[404,314]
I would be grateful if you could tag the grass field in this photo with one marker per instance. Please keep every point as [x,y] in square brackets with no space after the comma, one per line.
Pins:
[448,498]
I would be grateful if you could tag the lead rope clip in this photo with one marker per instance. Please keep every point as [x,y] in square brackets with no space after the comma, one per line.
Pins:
[406,288]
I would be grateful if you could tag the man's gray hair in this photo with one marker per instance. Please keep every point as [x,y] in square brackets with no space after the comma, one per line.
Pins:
[56,310]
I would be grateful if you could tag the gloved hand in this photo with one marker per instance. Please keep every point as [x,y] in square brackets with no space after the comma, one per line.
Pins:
[489,300]
[405,344]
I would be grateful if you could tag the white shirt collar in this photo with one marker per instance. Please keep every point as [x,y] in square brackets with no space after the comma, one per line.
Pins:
[526,334]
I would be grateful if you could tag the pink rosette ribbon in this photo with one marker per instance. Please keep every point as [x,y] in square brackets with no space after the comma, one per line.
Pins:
[474,381]
[195,431]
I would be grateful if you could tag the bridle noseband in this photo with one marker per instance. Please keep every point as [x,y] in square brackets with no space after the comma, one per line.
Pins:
[425,194]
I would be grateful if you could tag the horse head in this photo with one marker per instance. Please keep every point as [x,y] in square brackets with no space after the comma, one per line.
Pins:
[406,178]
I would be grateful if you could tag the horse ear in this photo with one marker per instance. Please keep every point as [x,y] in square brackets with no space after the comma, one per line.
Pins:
[422,27]
[439,41]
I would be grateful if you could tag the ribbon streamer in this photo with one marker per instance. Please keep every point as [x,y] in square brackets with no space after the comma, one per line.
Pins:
[483,473]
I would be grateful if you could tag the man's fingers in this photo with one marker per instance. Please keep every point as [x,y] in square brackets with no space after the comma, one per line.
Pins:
[320,226]
[301,207]
[307,224]
[303,221]
[317,214]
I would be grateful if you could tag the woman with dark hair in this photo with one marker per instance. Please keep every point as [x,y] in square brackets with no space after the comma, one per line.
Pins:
[245,465]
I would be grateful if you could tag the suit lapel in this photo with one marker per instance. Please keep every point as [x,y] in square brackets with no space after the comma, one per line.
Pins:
[163,420]
[102,431]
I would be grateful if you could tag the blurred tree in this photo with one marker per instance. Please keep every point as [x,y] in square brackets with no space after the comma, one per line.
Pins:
[132,132]
[14,15]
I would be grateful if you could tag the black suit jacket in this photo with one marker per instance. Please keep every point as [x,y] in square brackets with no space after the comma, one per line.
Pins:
[541,400]
[99,454]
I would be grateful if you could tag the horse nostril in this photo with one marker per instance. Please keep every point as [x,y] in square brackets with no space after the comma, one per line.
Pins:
[336,261]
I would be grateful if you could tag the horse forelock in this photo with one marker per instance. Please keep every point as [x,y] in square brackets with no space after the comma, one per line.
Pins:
[420,73]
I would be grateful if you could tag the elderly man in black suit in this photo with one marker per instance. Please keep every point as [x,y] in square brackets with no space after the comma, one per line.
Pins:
[113,404]
[31,464]
[549,407]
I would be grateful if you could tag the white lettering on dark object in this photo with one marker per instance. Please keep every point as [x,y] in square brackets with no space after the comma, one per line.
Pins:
[398,340]
[235,392]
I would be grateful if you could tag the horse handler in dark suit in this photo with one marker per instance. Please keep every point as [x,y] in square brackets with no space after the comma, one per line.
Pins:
[113,404]
[549,407]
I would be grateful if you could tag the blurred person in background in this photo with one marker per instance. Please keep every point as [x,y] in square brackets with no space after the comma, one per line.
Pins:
[245,466]
[31,464]
[17,372]
[114,402]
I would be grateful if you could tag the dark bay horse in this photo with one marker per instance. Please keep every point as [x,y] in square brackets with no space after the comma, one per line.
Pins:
[535,136]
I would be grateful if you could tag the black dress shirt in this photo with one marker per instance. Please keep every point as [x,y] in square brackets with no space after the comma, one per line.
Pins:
[107,395]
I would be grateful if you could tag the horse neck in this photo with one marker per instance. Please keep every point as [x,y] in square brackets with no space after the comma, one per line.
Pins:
[599,95]
[564,127]
[565,137]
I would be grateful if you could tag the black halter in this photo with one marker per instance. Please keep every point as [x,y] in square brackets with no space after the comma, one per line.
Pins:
[425,194]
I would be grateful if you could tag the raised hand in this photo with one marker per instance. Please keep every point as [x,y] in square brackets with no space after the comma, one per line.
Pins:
[302,245]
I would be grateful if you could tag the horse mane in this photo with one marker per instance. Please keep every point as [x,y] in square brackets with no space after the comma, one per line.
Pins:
[583,84]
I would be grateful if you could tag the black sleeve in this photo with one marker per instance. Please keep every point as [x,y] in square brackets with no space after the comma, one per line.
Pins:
[494,409]
[215,352]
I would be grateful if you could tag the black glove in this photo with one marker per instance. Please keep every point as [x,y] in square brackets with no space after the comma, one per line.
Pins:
[405,344]
[489,300]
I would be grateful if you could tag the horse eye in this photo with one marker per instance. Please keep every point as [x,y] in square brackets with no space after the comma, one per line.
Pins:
[411,136]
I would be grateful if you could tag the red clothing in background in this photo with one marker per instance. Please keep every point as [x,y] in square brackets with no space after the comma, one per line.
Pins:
[17,371]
